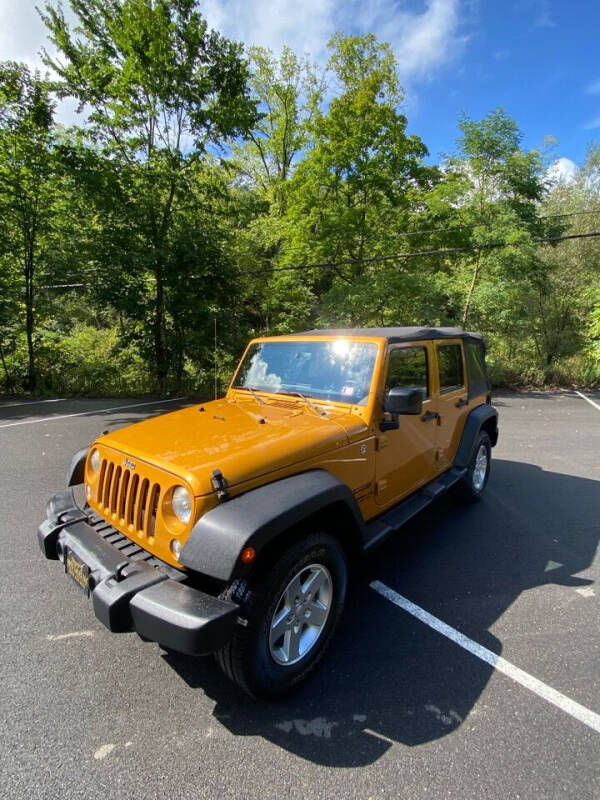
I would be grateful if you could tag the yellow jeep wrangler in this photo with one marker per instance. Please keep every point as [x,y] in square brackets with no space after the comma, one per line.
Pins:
[227,527]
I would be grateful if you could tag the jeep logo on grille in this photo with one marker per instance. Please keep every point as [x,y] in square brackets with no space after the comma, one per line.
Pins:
[130,464]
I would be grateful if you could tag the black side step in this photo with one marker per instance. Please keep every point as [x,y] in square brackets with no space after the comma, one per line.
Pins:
[390,522]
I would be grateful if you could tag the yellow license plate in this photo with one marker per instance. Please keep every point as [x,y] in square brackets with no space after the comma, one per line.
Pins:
[77,570]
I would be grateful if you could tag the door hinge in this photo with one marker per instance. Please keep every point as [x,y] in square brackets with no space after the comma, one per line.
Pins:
[381,486]
[381,442]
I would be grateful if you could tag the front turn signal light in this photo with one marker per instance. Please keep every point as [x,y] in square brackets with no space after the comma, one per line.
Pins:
[248,555]
[175,548]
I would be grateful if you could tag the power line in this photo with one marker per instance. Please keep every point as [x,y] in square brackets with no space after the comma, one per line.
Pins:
[438,230]
[418,253]
[379,259]
[63,286]
[429,231]
[569,214]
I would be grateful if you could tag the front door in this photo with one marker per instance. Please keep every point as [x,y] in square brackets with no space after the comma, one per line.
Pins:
[405,456]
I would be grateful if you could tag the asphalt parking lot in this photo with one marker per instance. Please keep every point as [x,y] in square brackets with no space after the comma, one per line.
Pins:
[397,710]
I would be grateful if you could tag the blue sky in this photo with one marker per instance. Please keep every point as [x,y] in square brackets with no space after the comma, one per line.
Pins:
[536,58]
[539,60]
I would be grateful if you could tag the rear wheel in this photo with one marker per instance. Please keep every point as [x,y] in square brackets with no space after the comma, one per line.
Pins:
[470,488]
[291,612]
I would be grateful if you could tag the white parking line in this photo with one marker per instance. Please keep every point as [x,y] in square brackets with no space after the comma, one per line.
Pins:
[579,712]
[88,413]
[33,402]
[588,399]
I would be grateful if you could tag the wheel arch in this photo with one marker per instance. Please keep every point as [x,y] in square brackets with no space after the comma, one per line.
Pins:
[271,518]
[481,418]
[76,470]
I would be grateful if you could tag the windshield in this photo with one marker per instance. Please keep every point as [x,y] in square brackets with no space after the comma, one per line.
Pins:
[337,370]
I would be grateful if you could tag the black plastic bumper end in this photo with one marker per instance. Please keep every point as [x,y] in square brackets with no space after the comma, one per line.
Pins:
[134,595]
[183,618]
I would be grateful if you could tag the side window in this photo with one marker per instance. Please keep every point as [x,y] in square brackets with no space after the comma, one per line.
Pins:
[408,368]
[449,358]
[478,379]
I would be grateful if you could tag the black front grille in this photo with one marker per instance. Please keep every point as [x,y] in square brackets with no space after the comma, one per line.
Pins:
[128,548]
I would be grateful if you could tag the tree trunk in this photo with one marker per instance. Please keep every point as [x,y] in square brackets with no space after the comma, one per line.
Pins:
[467,307]
[179,356]
[29,323]
[159,333]
[7,378]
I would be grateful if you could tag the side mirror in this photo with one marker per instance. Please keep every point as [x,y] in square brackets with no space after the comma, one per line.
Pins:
[403,400]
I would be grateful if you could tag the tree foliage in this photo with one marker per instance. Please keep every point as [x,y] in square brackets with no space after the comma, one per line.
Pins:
[161,89]
[27,197]
[208,185]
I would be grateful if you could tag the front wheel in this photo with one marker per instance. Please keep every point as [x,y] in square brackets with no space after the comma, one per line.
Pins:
[470,487]
[290,614]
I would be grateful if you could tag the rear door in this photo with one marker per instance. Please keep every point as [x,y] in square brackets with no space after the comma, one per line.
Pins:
[405,456]
[451,401]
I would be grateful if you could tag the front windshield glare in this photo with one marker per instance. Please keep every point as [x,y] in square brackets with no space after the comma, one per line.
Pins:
[338,370]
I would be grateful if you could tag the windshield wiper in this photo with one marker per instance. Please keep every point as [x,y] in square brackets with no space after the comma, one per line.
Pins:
[308,401]
[253,392]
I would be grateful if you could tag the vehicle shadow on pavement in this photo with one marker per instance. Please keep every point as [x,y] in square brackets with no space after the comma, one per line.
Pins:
[388,678]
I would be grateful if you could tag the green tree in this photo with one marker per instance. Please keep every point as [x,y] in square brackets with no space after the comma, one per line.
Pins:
[497,191]
[27,196]
[561,311]
[287,92]
[162,90]
[360,183]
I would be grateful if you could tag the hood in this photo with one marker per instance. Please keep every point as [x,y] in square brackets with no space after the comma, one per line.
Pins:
[240,437]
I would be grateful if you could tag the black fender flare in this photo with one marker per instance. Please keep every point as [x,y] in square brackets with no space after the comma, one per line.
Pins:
[260,515]
[76,470]
[476,420]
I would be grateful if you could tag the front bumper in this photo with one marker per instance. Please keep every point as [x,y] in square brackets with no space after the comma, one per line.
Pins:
[130,589]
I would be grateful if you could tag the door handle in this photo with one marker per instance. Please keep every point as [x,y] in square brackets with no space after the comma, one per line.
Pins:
[463,401]
[429,416]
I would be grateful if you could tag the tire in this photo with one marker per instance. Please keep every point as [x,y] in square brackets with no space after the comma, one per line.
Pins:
[472,485]
[268,661]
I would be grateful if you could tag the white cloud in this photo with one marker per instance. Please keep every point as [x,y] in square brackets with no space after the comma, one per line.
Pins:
[421,40]
[22,37]
[593,88]
[304,25]
[544,16]
[22,32]
[541,11]
[592,124]
[563,170]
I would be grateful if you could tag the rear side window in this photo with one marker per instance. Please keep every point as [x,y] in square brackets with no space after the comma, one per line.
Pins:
[450,365]
[408,368]
[478,379]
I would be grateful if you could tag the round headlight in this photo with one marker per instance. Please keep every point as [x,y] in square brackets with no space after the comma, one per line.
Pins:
[95,461]
[182,503]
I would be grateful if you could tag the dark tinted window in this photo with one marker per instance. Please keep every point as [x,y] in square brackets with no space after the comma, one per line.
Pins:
[478,380]
[408,368]
[450,365]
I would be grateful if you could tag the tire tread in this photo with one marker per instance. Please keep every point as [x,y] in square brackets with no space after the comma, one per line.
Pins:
[250,595]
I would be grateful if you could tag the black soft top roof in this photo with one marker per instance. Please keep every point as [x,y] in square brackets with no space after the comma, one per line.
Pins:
[393,335]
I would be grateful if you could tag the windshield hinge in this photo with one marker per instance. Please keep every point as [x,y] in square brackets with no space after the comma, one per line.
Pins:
[219,484]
